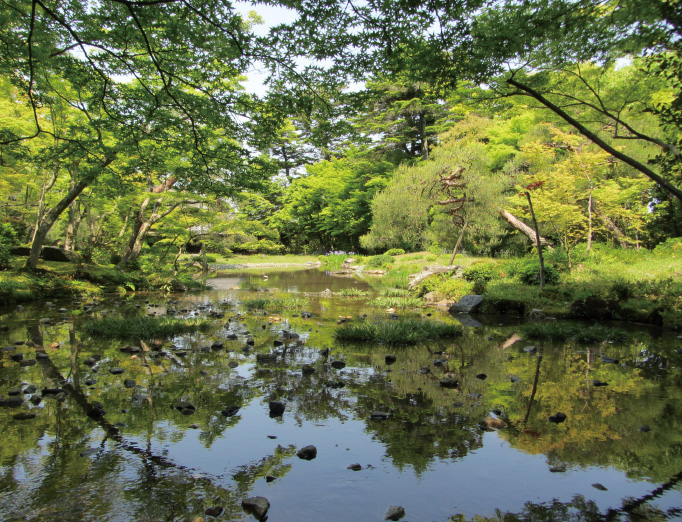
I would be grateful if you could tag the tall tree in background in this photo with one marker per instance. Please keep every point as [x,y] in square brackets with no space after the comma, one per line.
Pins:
[442,43]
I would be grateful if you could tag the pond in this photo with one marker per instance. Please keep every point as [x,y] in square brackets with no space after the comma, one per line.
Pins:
[186,429]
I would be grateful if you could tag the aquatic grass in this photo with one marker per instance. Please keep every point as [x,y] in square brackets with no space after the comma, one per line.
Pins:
[394,292]
[274,303]
[562,331]
[396,302]
[142,327]
[353,292]
[397,332]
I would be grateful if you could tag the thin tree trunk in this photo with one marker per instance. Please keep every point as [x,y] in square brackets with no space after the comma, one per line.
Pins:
[538,244]
[524,229]
[459,241]
[589,223]
[49,220]
[41,203]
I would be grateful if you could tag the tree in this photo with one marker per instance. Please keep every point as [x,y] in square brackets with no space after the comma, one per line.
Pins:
[162,71]
[411,212]
[403,116]
[441,43]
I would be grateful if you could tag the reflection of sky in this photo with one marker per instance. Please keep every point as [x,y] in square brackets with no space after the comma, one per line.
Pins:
[493,476]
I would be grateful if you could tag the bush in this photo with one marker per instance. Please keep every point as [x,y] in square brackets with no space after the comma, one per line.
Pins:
[394,252]
[381,261]
[4,256]
[7,238]
[454,288]
[529,273]
[621,289]
[481,272]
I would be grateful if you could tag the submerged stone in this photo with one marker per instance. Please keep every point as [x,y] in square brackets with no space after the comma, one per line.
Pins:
[307,453]
[256,506]
[394,513]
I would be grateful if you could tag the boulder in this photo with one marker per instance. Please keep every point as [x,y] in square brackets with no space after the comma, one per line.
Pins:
[467,304]
[60,255]
[20,251]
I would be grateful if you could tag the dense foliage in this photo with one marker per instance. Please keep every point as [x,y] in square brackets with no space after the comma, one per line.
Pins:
[126,134]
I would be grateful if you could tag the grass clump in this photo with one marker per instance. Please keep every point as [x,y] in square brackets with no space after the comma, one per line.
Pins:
[396,302]
[394,292]
[353,292]
[274,303]
[402,332]
[562,331]
[142,327]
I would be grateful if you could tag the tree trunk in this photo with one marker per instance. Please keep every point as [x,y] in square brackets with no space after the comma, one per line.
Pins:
[589,224]
[73,224]
[49,220]
[459,241]
[524,229]
[538,243]
[41,203]
[142,224]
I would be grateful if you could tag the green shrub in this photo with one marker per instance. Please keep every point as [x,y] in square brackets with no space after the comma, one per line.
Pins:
[7,238]
[621,289]
[482,272]
[381,261]
[5,257]
[431,258]
[529,273]
[394,252]
[454,288]
[211,259]
[403,331]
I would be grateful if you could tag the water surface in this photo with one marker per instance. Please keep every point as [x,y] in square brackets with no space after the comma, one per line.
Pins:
[617,452]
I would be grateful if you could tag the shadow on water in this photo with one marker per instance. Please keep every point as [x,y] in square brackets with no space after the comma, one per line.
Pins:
[115,430]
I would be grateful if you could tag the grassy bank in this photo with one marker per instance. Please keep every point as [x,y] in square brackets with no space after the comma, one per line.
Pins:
[607,283]
[67,280]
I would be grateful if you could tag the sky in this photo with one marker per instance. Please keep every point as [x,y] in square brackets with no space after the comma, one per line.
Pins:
[271,15]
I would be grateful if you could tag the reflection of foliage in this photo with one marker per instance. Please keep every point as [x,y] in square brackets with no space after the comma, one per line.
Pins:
[578,509]
[562,331]
[426,423]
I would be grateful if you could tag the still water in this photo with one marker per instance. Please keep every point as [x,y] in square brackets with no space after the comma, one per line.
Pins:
[617,456]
